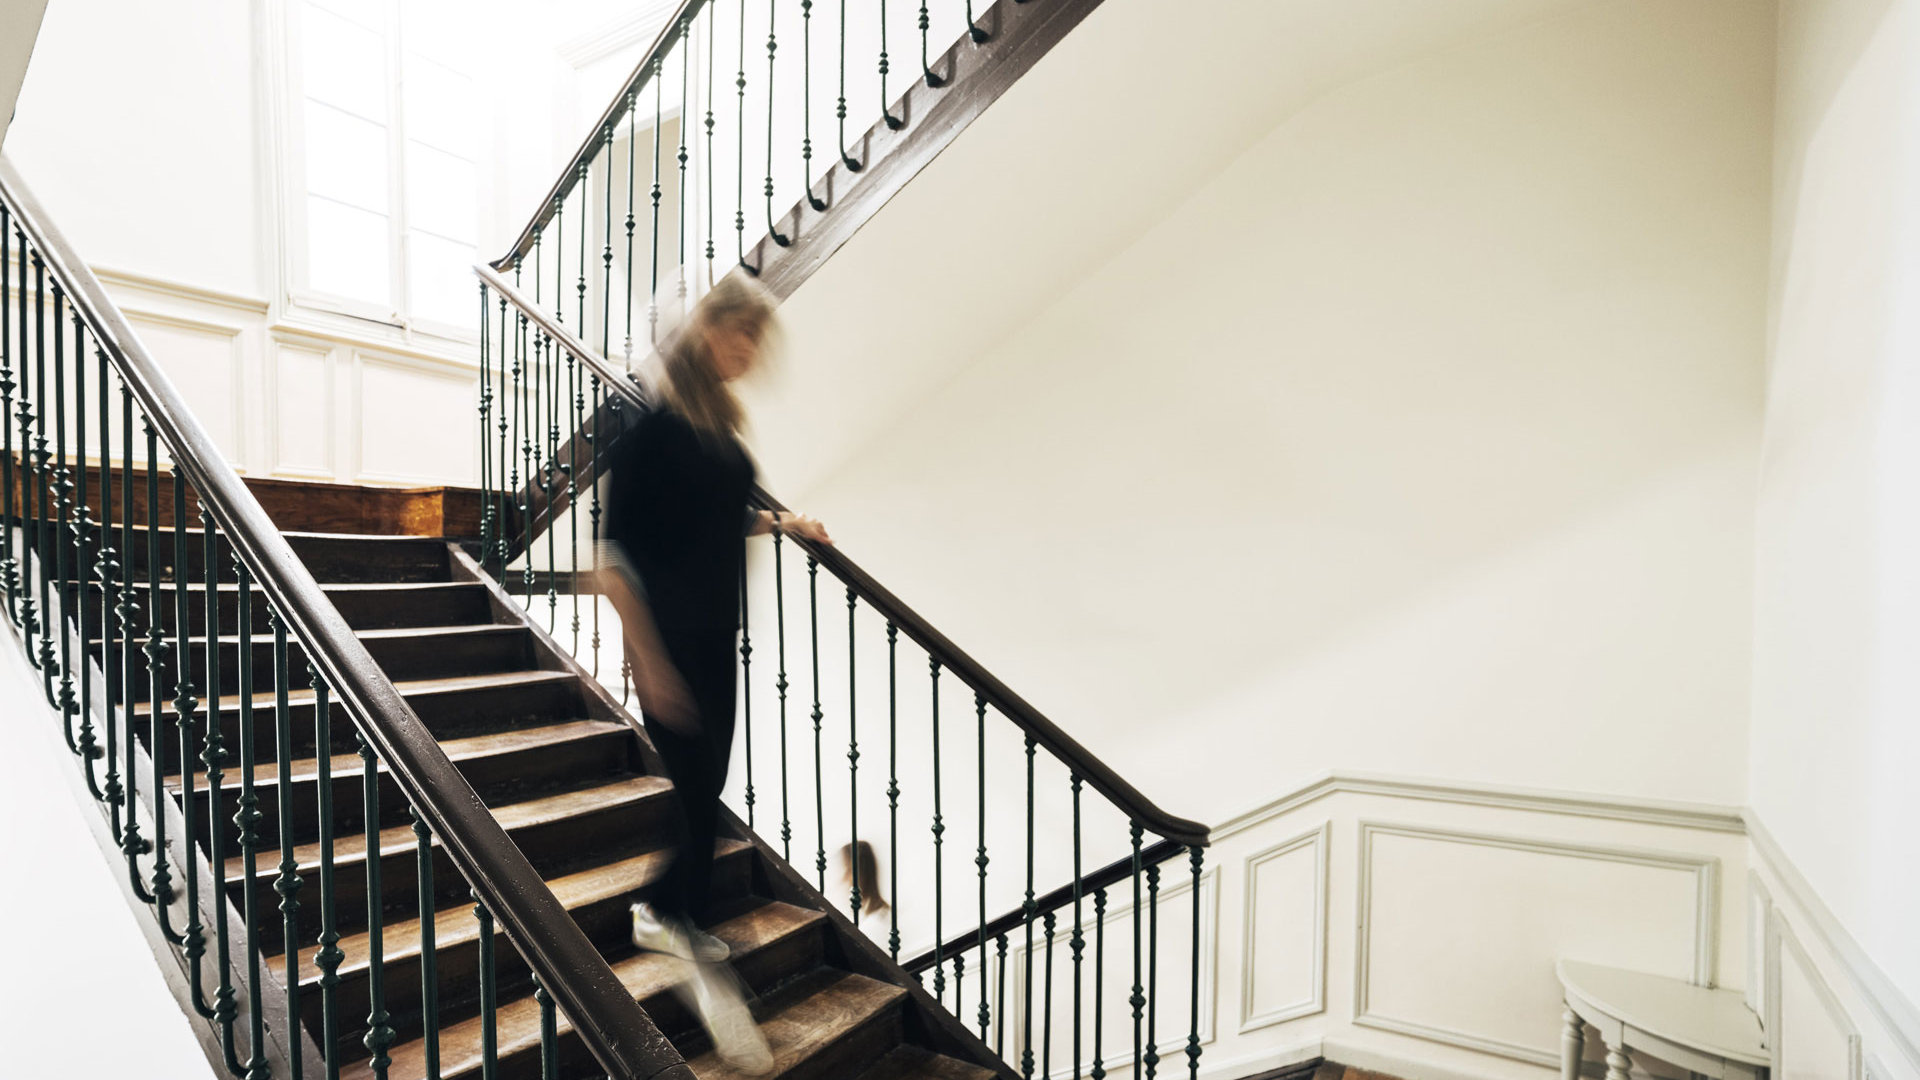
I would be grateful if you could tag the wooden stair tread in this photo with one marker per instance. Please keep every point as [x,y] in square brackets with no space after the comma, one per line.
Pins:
[918,1063]
[338,586]
[388,634]
[457,750]
[813,1023]
[645,975]
[458,925]
[400,839]
[264,700]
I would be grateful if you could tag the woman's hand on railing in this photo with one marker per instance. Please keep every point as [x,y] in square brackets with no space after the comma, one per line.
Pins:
[791,524]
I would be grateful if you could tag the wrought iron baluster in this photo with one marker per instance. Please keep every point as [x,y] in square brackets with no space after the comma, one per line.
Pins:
[686,67]
[853,764]
[1030,909]
[939,829]
[429,978]
[780,686]
[185,704]
[30,551]
[64,533]
[959,982]
[162,878]
[593,515]
[840,107]
[740,147]
[486,429]
[379,1035]
[580,323]
[106,566]
[1046,1001]
[1099,1070]
[772,46]
[287,885]
[746,684]
[806,104]
[549,1039]
[925,65]
[573,492]
[80,582]
[327,959]
[974,30]
[713,18]
[653,271]
[893,793]
[1195,853]
[44,480]
[1076,944]
[131,844]
[9,569]
[980,859]
[1000,995]
[1138,999]
[886,102]
[1152,1056]
[819,784]
[489,1032]
[633,98]
[606,252]
[247,820]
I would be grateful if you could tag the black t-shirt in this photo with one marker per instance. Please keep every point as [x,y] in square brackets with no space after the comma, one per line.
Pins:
[677,506]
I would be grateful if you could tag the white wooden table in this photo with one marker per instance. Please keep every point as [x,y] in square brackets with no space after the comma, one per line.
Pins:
[1708,1032]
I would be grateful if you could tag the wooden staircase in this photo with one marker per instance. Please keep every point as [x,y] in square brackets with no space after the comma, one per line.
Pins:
[572,779]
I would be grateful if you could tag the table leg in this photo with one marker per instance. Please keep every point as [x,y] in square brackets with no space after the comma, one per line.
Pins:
[1618,1065]
[1573,1040]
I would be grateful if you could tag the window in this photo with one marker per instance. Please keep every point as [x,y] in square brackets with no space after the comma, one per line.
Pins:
[388,207]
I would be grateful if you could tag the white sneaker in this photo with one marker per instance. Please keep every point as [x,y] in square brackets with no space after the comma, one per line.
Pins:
[713,993]
[655,934]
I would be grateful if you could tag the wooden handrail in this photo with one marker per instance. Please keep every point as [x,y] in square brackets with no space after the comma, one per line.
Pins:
[622,1038]
[1111,874]
[1062,746]
[663,43]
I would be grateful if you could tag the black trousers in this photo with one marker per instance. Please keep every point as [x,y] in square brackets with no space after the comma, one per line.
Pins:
[697,763]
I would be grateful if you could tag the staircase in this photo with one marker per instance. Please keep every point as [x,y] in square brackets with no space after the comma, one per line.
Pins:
[399,824]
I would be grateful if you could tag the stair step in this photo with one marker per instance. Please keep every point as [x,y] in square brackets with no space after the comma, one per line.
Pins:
[400,840]
[456,926]
[404,653]
[830,1024]
[916,1063]
[349,766]
[365,606]
[649,977]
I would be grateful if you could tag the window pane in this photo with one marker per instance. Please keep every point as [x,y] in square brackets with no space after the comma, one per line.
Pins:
[448,30]
[345,64]
[347,251]
[346,158]
[441,193]
[440,279]
[440,105]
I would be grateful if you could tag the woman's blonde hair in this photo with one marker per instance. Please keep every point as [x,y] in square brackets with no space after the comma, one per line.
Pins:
[689,384]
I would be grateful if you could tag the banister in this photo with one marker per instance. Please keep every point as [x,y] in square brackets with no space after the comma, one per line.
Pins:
[615,1029]
[663,44]
[1113,873]
[1009,704]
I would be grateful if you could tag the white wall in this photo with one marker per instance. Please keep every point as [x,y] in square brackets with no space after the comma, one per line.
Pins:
[19,26]
[1837,577]
[1419,438]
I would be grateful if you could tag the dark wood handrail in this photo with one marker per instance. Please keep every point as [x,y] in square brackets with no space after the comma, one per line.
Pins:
[1062,746]
[1111,874]
[617,1031]
[663,44]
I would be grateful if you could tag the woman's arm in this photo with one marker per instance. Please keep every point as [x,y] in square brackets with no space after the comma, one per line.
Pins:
[788,522]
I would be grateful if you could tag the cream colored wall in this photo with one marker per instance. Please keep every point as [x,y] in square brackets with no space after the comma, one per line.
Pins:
[1419,438]
[1837,581]
[19,26]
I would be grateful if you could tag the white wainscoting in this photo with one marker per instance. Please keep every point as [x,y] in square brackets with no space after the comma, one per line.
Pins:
[334,401]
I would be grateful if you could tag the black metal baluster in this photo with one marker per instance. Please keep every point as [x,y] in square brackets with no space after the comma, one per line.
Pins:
[1099,1070]
[893,794]
[633,98]
[980,859]
[288,883]
[1153,968]
[247,819]
[819,785]
[925,64]
[573,493]
[580,323]
[8,568]
[162,879]
[1138,999]
[549,1038]
[1046,1005]
[746,685]
[55,659]
[740,147]
[1193,1003]
[713,19]
[327,959]
[131,843]
[939,828]
[840,108]
[225,1009]
[653,271]
[489,1033]
[185,704]
[486,429]
[772,45]
[503,464]
[106,566]
[1077,943]
[686,67]
[379,1025]
[886,102]
[429,977]
[593,515]
[1000,995]
[606,253]
[560,260]
[44,536]
[30,552]
[1030,909]
[80,583]
[522,433]
[806,103]
[553,395]
[959,983]
[853,762]
[974,30]
[780,685]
